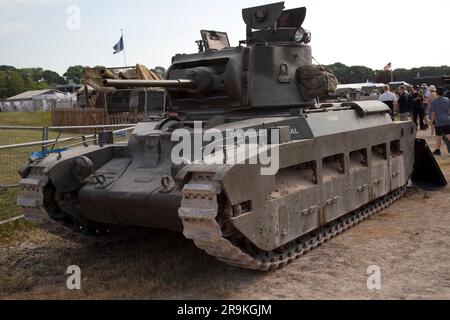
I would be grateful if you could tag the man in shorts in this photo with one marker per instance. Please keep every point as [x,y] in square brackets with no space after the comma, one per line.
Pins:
[440,111]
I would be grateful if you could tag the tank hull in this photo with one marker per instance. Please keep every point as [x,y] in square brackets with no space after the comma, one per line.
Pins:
[332,164]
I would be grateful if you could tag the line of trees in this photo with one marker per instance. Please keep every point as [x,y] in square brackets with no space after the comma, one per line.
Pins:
[14,81]
[361,74]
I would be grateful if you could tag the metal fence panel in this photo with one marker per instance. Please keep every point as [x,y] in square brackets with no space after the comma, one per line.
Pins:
[18,143]
[8,207]
[14,135]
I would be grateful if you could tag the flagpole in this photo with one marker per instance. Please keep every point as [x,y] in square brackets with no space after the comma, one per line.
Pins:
[392,73]
[124,54]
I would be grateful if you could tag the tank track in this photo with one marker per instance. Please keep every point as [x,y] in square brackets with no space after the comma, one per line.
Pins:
[40,208]
[200,211]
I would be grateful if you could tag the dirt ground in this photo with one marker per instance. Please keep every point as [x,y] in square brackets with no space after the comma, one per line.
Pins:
[410,242]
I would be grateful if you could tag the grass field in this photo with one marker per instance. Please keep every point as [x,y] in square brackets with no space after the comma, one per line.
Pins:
[26,119]
[8,210]
[14,159]
[29,119]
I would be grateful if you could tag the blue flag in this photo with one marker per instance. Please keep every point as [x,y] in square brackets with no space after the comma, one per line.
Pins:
[119,46]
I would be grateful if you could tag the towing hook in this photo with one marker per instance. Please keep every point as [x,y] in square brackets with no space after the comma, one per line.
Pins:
[168,184]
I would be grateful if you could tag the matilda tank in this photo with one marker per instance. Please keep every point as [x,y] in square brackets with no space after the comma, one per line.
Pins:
[332,165]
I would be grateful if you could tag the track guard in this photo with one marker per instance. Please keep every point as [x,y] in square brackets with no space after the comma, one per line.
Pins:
[427,173]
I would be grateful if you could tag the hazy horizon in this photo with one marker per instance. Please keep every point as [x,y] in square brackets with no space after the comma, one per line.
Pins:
[43,33]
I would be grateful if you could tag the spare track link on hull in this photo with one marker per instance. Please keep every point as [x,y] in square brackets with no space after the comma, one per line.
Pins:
[200,209]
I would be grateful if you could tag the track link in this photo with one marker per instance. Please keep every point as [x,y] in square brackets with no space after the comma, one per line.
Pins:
[41,209]
[200,210]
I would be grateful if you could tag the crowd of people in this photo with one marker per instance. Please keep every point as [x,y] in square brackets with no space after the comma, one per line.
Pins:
[427,106]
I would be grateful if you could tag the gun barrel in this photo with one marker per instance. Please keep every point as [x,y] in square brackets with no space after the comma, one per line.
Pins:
[181,83]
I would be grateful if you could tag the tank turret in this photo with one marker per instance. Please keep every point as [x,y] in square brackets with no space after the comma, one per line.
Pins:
[260,74]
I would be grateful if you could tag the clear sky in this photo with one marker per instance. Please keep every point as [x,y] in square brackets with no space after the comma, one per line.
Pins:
[35,33]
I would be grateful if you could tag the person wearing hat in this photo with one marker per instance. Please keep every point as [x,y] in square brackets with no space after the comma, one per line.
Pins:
[440,111]
[426,94]
[433,96]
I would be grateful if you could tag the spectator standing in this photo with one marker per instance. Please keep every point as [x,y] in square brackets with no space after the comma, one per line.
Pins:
[410,91]
[418,109]
[389,98]
[403,103]
[425,95]
[431,98]
[440,111]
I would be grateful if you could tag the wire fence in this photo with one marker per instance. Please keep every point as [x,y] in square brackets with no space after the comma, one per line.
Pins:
[19,144]
[8,207]
[11,159]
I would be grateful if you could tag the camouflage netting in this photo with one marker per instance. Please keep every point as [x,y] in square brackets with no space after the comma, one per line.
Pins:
[316,81]
[95,76]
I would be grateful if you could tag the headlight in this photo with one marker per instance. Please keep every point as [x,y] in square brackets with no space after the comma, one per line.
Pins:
[82,168]
[303,36]
[299,35]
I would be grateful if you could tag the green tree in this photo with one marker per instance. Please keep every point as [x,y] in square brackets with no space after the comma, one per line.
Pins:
[14,84]
[383,76]
[35,74]
[75,73]
[161,71]
[52,78]
[355,74]
[29,84]
[7,68]
[361,74]
[341,71]
[2,85]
